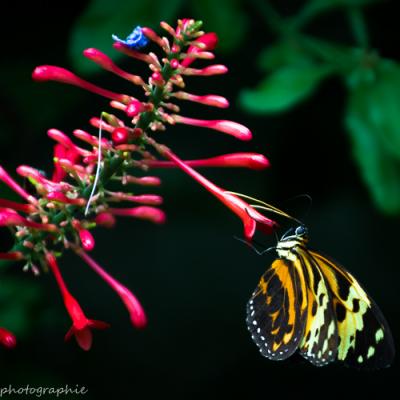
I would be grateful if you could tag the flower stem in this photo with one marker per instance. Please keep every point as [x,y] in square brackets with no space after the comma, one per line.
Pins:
[271,16]
[358,26]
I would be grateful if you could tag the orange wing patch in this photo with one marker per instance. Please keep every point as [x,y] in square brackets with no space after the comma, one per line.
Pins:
[274,312]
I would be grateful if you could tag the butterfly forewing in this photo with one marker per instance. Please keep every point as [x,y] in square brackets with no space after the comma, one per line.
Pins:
[274,315]
[320,339]
[365,340]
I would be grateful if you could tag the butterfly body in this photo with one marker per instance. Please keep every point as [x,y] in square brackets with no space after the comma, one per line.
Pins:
[306,302]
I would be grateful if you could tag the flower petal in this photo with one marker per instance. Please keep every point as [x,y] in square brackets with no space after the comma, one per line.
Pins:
[84,338]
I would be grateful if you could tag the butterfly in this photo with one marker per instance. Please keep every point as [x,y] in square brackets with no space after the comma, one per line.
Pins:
[307,302]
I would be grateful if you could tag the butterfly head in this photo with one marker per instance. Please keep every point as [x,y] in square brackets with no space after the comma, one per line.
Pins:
[301,231]
[298,234]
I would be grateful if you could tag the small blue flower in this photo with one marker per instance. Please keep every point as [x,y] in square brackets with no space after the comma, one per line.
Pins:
[136,40]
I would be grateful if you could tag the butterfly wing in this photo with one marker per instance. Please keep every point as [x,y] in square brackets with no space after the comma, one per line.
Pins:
[364,337]
[320,338]
[274,312]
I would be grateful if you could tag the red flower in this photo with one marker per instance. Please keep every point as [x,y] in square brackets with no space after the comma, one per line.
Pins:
[9,217]
[53,73]
[135,309]
[6,178]
[63,153]
[207,42]
[152,214]
[12,255]
[7,338]
[250,217]
[239,160]
[81,325]
[232,128]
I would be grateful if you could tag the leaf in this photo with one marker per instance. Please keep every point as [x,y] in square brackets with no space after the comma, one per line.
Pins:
[226,18]
[284,88]
[102,18]
[286,52]
[373,123]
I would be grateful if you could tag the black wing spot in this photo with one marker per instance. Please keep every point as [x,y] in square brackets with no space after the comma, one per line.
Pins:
[356,305]
[314,308]
[321,298]
[340,312]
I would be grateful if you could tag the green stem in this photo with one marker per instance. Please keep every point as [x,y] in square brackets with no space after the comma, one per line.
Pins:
[271,16]
[339,56]
[358,26]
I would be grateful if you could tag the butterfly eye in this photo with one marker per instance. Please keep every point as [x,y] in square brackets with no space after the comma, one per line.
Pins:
[300,231]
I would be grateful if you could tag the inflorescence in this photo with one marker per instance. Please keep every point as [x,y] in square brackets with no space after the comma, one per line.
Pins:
[63,210]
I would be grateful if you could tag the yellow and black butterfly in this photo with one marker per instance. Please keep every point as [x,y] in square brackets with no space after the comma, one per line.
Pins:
[307,302]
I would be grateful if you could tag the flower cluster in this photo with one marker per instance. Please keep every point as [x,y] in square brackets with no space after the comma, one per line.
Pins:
[81,195]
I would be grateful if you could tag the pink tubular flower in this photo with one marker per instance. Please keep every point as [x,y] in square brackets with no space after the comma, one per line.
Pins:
[72,151]
[133,108]
[62,198]
[217,69]
[133,53]
[120,135]
[7,338]
[149,199]
[87,239]
[36,177]
[62,152]
[81,326]
[231,128]
[209,99]
[9,217]
[208,41]
[105,62]
[149,33]
[15,187]
[26,208]
[135,309]
[142,212]
[249,216]
[143,181]
[92,140]
[12,255]
[254,161]
[105,219]
[58,74]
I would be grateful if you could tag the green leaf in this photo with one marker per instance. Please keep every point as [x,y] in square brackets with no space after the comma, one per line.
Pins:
[284,88]
[226,18]
[102,18]
[374,125]
[286,52]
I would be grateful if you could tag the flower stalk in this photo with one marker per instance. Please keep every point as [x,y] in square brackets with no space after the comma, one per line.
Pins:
[94,170]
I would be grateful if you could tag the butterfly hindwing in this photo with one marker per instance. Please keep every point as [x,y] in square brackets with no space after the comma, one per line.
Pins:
[365,340]
[274,315]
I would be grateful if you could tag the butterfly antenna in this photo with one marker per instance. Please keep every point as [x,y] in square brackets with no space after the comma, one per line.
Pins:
[258,252]
[261,205]
[310,202]
[96,178]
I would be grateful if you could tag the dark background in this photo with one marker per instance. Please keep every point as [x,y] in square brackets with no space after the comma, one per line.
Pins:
[192,277]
